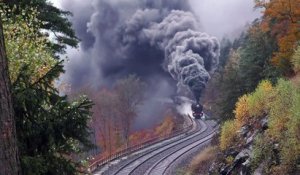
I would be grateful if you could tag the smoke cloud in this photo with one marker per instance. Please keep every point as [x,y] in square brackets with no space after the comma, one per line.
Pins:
[158,40]
[189,55]
[142,37]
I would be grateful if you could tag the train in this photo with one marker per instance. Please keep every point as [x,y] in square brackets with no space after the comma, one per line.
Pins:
[197,109]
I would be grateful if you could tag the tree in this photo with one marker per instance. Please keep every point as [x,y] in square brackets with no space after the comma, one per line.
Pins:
[256,53]
[51,128]
[281,19]
[55,21]
[9,155]
[106,119]
[130,92]
[226,47]
[25,46]
[230,86]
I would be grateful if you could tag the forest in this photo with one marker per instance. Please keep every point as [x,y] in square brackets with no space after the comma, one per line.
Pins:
[258,81]
[49,128]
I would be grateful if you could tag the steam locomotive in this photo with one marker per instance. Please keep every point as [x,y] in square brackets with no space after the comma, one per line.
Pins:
[197,109]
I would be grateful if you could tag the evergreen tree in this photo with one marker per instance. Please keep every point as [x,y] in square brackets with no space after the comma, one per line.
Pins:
[255,62]
[9,157]
[51,129]
[55,21]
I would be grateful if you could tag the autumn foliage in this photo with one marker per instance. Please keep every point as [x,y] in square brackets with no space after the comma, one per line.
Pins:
[281,19]
[228,134]
[112,122]
[281,105]
[166,127]
[242,110]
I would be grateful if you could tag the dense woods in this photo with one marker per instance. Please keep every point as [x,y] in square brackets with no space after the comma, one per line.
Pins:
[258,83]
[254,94]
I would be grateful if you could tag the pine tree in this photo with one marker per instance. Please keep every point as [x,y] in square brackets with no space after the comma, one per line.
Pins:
[50,127]
[9,158]
[54,20]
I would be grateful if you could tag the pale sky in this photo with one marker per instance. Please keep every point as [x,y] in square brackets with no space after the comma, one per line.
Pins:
[224,17]
[56,3]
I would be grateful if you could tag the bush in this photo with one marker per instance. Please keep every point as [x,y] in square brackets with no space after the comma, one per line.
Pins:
[242,111]
[282,101]
[259,100]
[228,134]
[262,150]
[290,152]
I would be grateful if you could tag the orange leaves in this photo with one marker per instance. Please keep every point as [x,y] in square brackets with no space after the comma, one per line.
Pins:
[281,19]
[166,127]
[140,136]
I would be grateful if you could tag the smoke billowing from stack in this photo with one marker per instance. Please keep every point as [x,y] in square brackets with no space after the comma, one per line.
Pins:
[189,55]
[150,38]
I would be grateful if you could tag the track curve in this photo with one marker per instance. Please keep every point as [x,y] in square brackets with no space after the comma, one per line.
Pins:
[159,159]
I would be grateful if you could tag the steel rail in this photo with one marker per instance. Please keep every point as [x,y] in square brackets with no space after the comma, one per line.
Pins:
[151,154]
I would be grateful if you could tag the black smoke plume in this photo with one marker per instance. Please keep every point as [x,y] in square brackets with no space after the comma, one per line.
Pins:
[150,38]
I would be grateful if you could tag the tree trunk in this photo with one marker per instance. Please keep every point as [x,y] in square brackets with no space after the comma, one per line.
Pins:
[9,158]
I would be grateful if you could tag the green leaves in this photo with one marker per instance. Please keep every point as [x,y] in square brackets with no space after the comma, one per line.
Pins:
[53,20]
[51,129]
[25,46]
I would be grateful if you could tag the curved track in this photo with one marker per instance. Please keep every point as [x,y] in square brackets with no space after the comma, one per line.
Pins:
[159,159]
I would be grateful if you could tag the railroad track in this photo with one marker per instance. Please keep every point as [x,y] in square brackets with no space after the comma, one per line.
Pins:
[159,159]
[163,165]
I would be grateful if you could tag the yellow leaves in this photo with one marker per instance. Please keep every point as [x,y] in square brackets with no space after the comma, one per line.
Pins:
[281,103]
[242,110]
[255,104]
[259,100]
[248,108]
[228,134]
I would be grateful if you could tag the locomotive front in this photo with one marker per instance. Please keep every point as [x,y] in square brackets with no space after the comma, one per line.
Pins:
[197,109]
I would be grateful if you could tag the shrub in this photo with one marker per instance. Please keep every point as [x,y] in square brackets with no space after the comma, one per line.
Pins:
[262,150]
[290,152]
[280,108]
[228,134]
[259,100]
[242,111]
